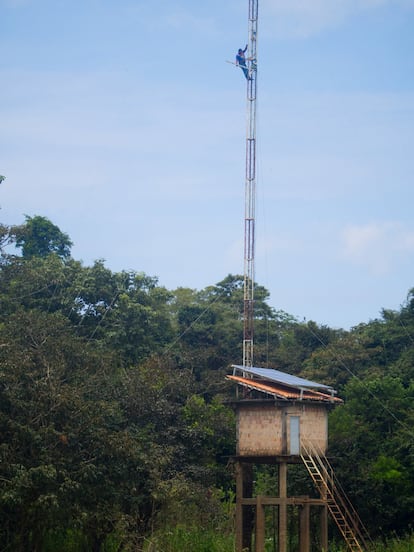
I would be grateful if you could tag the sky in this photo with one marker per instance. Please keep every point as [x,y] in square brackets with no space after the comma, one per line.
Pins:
[122,123]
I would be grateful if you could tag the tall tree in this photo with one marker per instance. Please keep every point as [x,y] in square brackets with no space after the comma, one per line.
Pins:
[372,445]
[38,236]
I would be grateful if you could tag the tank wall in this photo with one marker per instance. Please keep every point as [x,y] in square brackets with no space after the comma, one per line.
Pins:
[259,431]
[267,430]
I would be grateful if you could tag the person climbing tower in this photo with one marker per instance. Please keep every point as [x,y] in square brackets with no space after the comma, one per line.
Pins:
[241,61]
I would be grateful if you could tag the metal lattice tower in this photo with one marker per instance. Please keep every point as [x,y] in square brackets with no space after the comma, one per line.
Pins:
[250,188]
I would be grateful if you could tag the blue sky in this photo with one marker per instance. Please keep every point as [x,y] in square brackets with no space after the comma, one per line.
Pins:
[122,122]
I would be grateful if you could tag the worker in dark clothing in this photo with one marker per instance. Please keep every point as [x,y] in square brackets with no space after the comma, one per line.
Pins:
[241,61]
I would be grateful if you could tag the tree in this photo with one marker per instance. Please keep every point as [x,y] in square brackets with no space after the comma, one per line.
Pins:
[5,239]
[112,387]
[40,237]
[372,444]
[70,458]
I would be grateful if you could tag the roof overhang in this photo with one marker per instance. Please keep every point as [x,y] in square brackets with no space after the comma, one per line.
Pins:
[282,386]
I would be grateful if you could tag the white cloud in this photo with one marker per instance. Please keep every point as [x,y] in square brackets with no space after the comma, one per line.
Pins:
[377,245]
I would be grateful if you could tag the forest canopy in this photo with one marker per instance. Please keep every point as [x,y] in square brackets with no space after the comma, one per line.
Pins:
[114,415]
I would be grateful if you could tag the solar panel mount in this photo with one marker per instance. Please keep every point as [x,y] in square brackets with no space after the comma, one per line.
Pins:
[271,374]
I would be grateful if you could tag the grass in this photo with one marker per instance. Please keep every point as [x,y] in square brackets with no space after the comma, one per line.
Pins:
[189,539]
[185,539]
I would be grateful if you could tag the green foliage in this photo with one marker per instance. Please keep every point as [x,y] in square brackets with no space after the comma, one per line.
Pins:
[396,545]
[5,239]
[65,541]
[67,458]
[190,539]
[404,544]
[372,442]
[386,469]
[40,237]
[113,425]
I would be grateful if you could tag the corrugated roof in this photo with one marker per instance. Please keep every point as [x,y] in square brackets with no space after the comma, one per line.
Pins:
[281,377]
[280,391]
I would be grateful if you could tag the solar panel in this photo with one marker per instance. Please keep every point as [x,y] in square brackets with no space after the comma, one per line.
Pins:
[281,377]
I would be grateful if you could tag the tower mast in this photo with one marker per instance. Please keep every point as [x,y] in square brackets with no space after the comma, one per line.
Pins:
[250,188]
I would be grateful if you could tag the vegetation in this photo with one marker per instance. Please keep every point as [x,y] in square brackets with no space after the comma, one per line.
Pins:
[114,428]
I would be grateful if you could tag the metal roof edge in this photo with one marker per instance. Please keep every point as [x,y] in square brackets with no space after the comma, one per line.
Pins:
[282,377]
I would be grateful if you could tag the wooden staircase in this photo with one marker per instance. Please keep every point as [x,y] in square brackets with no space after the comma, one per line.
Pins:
[340,508]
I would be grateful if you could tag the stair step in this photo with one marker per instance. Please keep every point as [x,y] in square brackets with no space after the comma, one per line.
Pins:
[324,482]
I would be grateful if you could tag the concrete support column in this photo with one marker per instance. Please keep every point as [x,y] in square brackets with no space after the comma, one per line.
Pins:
[283,507]
[324,521]
[304,532]
[324,528]
[260,526]
[239,506]
[244,514]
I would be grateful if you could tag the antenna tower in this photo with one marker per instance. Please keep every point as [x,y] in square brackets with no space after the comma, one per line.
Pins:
[250,188]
